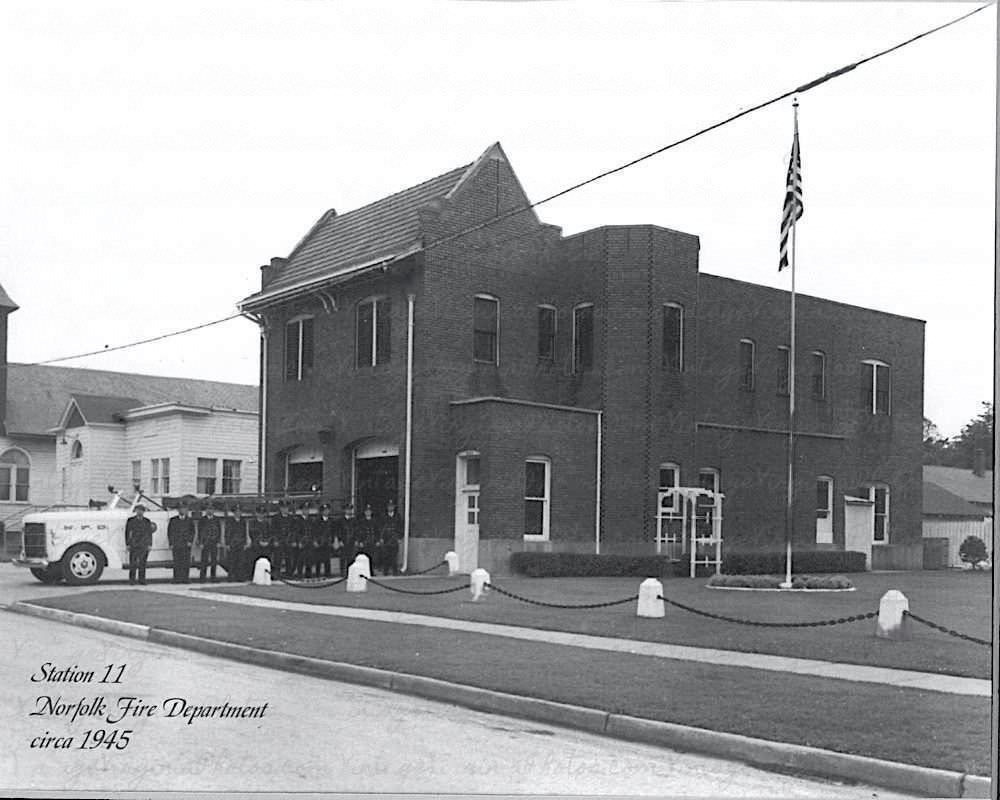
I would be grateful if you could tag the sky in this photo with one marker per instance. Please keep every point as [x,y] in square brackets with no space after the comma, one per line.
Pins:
[154,155]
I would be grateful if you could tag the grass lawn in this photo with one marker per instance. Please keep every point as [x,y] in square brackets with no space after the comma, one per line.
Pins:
[908,725]
[959,600]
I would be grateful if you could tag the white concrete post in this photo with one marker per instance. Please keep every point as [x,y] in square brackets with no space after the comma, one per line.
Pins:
[650,604]
[477,582]
[892,622]
[452,558]
[262,572]
[357,572]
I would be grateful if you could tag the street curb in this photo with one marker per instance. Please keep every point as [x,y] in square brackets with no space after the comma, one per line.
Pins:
[755,752]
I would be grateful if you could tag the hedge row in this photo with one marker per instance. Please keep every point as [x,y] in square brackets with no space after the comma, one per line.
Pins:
[802,561]
[775,581]
[562,565]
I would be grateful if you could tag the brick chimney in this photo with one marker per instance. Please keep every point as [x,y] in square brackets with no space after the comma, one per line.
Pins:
[979,462]
[269,272]
[7,306]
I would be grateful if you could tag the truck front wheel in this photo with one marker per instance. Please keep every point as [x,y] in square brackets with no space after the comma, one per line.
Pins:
[50,574]
[82,564]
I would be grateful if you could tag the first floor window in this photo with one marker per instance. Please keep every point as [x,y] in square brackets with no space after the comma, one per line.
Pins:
[824,510]
[137,474]
[165,475]
[748,365]
[76,451]
[875,387]
[546,333]
[374,329]
[15,472]
[154,475]
[583,337]
[670,477]
[818,375]
[879,493]
[673,337]
[231,476]
[298,348]
[486,329]
[536,498]
[206,476]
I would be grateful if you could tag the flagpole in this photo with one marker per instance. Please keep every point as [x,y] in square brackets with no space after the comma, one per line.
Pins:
[789,518]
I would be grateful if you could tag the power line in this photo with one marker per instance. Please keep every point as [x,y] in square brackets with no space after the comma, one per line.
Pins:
[801,89]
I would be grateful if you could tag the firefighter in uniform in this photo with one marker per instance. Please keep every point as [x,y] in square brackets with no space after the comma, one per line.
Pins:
[180,536]
[138,540]
[368,536]
[296,542]
[392,529]
[209,535]
[260,536]
[345,532]
[326,536]
[281,526]
[313,543]
[236,538]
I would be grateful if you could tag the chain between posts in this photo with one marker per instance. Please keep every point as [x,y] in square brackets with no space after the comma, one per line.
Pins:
[414,591]
[425,571]
[949,631]
[312,583]
[496,588]
[755,623]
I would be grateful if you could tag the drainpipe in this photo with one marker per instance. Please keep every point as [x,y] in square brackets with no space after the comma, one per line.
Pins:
[262,449]
[597,501]
[410,298]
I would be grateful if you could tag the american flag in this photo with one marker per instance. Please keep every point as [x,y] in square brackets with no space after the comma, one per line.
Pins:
[793,198]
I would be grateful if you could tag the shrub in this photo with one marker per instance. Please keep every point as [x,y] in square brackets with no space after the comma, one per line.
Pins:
[565,565]
[774,581]
[764,563]
[973,551]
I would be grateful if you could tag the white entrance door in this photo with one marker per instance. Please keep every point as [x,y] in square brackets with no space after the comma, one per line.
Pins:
[859,521]
[467,510]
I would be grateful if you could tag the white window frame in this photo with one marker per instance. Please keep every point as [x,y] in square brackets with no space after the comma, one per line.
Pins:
[577,369]
[555,331]
[137,473]
[298,356]
[371,361]
[753,365]
[546,500]
[874,364]
[680,359]
[465,488]
[496,338]
[76,450]
[238,479]
[165,475]
[886,530]
[154,475]
[675,500]
[812,376]
[829,507]
[13,468]
[214,476]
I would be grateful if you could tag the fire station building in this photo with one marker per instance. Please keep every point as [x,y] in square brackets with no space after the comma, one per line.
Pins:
[512,388]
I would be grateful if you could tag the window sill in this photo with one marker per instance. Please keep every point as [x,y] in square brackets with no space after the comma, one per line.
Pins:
[531,537]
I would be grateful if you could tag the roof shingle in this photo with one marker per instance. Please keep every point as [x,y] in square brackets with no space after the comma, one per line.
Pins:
[964,482]
[939,502]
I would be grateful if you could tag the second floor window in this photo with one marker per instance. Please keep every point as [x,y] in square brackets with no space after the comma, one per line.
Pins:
[159,475]
[748,365]
[154,475]
[298,348]
[486,329]
[818,375]
[136,473]
[374,331]
[583,337]
[784,367]
[206,476]
[875,387]
[546,333]
[673,337]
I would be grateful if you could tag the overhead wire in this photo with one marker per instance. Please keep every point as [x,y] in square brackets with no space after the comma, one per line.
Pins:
[800,89]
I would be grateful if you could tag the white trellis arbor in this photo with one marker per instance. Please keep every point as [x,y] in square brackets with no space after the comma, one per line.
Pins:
[689,522]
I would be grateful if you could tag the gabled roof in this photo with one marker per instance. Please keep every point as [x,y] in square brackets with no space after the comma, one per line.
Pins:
[939,502]
[99,409]
[964,482]
[37,396]
[379,230]
[6,301]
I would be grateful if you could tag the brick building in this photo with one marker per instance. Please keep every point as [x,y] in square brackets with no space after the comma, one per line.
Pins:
[514,389]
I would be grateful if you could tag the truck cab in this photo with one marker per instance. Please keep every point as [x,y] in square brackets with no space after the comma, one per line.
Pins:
[77,545]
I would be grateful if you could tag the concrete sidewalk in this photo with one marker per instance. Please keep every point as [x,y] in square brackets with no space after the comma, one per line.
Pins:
[907,679]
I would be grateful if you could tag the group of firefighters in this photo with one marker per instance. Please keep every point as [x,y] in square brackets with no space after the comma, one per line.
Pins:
[299,544]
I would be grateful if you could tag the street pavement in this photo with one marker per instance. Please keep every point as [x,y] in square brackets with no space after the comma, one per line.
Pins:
[314,735]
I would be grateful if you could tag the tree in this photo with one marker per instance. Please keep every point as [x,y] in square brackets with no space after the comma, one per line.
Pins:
[973,551]
[936,446]
[976,435]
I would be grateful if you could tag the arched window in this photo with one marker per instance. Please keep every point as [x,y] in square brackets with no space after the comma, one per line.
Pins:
[486,329]
[15,475]
[546,333]
[875,386]
[818,374]
[673,337]
[748,365]
[670,478]
[374,331]
[583,337]
[76,451]
[298,348]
